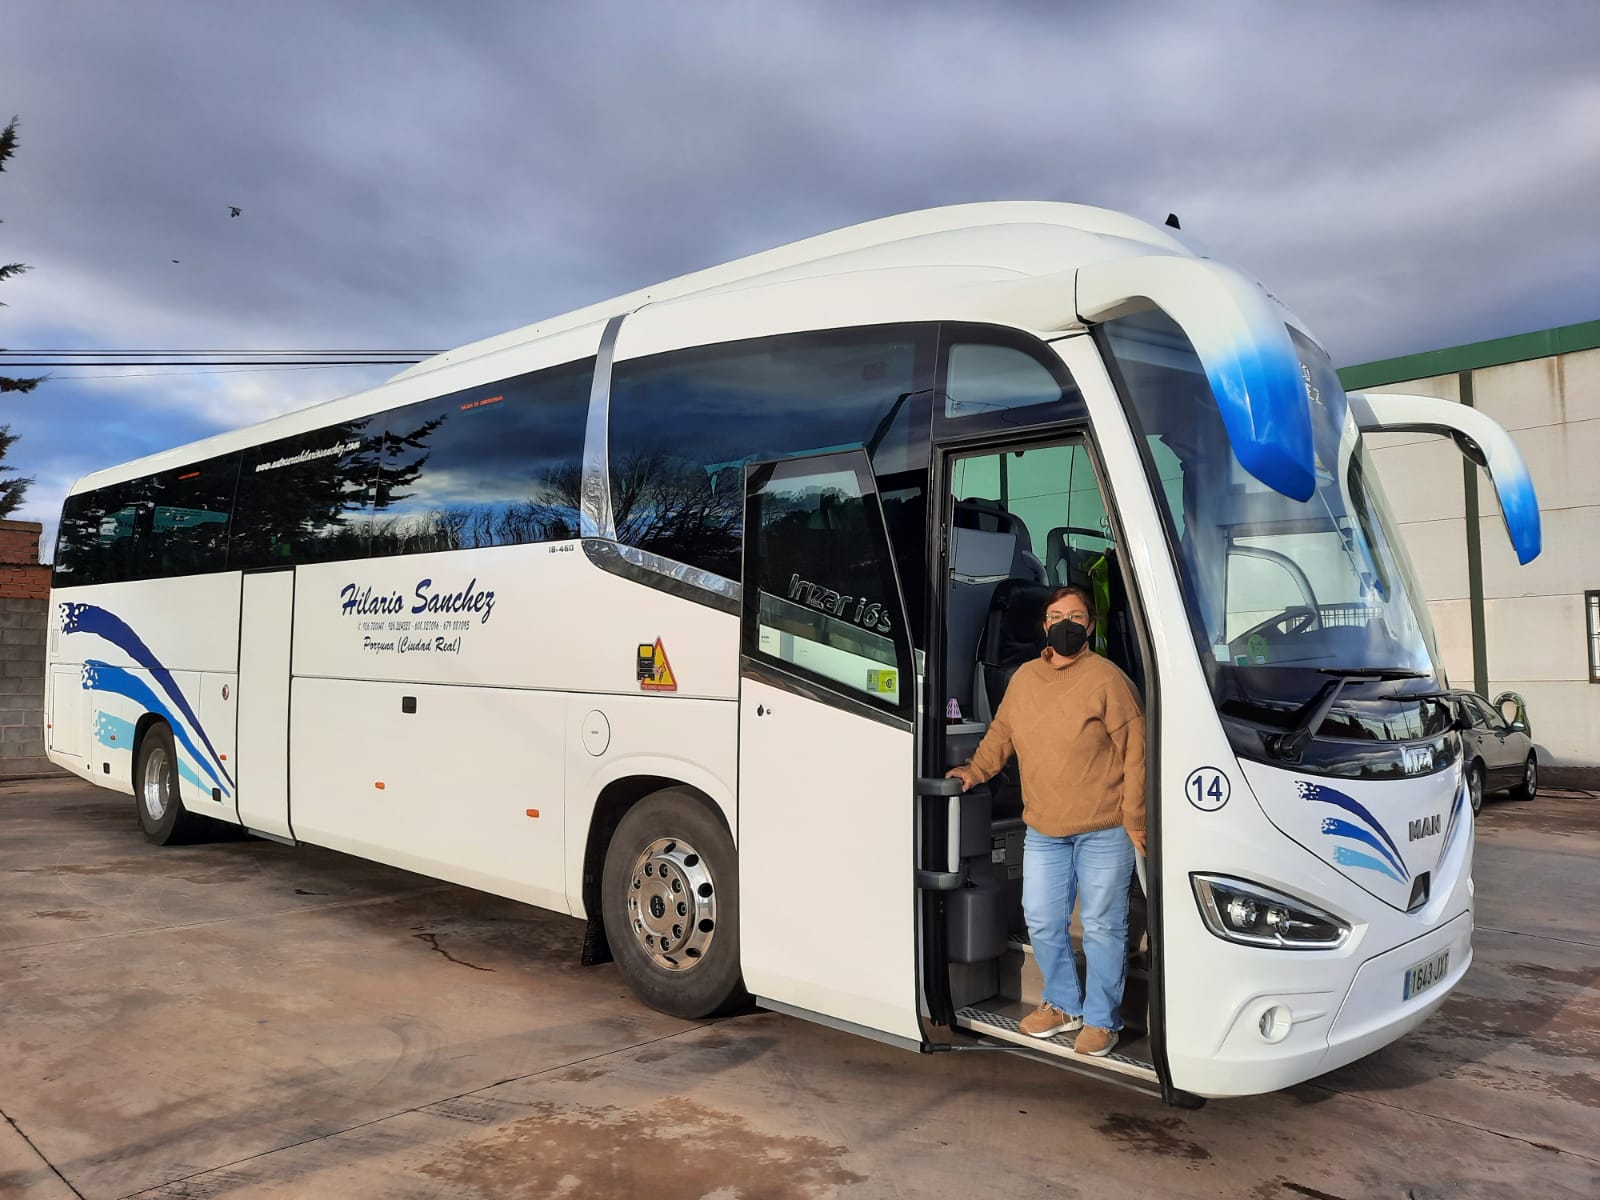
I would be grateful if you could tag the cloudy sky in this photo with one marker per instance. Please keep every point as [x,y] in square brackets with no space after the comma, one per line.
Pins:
[416,175]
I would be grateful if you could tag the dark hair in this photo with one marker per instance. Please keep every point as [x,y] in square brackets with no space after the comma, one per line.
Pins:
[1071,589]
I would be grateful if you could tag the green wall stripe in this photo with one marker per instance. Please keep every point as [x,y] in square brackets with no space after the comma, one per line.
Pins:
[1565,339]
[1469,484]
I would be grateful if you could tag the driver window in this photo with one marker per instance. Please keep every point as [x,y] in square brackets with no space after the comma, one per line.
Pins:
[985,378]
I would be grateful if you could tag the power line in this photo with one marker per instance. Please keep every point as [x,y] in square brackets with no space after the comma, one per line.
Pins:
[201,371]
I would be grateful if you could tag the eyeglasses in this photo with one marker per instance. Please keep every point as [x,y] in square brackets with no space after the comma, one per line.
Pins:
[1080,617]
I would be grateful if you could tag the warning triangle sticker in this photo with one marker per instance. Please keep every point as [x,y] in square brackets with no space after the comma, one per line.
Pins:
[660,677]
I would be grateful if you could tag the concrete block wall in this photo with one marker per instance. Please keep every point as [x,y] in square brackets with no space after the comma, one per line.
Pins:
[24,605]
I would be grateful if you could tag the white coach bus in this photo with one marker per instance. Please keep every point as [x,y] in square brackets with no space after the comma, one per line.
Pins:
[672,612]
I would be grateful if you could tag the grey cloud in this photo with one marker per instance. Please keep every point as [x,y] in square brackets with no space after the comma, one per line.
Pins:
[410,174]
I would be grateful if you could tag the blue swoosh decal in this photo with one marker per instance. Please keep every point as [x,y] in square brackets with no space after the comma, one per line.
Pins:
[99,676]
[1334,827]
[92,619]
[1316,793]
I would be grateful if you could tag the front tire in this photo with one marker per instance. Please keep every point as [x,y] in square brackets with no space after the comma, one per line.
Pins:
[162,816]
[1529,787]
[670,901]
[1475,787]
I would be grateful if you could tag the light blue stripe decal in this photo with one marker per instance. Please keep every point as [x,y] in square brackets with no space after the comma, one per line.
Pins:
[103,677]
[117,734]
[1392,861]
[1347,857]
[185,771]
[94,620]
[1317,794]
[113,731]
[1334,827]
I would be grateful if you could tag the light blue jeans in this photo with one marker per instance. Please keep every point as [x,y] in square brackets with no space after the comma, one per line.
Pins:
[1095,867]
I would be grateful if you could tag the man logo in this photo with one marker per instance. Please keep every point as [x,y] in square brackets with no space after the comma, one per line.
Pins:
[1417,759]
[1424,827]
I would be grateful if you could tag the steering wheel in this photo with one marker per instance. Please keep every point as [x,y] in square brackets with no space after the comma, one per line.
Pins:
[1300,619]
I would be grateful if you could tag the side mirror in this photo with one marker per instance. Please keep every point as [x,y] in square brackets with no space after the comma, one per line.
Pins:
[1518,727]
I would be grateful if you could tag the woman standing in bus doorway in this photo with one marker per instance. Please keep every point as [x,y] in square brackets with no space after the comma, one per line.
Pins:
[1074,722]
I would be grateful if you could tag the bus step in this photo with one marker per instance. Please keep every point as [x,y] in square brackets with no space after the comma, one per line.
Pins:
[1019,970]
[999,1021]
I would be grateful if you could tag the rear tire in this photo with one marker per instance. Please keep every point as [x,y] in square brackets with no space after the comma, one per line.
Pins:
[162,816]
[1529,787]
[670,900]
[1475,786]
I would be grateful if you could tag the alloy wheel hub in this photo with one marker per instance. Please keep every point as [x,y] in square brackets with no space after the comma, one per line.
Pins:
[672,904]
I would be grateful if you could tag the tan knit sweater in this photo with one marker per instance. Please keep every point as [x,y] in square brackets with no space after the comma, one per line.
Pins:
[1078,734]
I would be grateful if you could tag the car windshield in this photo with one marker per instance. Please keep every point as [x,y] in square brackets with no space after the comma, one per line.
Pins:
[1284,597]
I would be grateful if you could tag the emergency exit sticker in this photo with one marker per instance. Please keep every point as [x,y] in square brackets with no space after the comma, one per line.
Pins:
[654,671]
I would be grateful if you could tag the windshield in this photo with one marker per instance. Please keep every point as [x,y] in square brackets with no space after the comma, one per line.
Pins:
[1283,596]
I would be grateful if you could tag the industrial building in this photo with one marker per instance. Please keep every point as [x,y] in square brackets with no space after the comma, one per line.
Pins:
[1534,630]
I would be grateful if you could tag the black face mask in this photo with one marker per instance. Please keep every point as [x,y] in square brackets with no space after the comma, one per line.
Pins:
[1067,637]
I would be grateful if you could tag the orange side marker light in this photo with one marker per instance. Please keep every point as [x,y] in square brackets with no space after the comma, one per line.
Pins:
[379,785]
[533,812]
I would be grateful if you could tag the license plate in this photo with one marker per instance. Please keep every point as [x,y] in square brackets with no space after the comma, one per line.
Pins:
[1426,973]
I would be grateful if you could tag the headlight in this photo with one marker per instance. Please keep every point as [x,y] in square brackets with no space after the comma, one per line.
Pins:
[1253,915]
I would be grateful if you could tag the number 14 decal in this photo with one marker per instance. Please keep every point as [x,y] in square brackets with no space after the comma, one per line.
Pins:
[1208,789]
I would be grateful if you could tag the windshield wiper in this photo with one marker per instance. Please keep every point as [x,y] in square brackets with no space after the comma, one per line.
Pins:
[1377,673]
[1310,718]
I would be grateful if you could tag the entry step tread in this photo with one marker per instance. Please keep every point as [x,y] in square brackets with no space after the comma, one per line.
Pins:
[1000,1020]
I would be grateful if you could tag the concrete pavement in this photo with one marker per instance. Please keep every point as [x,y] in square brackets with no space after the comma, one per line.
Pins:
[245,1019]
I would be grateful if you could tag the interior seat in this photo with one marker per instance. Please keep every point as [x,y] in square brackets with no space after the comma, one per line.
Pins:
[1013,634]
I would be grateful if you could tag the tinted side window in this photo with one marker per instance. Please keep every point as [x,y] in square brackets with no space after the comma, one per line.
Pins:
[95,538]
[491,466]
[822,599]
[306,498]
[182,519]
[986,378]
[683,426]
[994,378]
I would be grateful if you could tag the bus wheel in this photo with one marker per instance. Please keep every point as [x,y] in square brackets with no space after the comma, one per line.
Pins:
[670,899]
[155,790]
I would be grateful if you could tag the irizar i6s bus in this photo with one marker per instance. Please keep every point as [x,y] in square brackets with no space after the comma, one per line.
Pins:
[671,614]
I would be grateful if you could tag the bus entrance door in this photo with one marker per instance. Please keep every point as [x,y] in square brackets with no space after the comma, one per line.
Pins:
[262,771]
[826,753]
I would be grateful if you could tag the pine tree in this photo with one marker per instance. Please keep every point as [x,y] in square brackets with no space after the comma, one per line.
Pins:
[12,486]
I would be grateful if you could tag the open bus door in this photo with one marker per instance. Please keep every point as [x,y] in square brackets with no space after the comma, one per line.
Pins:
[827,701]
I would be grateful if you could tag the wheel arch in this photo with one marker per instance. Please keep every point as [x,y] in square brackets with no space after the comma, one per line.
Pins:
[141,729]
[610,806]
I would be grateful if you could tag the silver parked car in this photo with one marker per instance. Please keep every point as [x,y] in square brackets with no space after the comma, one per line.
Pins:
[1500,754]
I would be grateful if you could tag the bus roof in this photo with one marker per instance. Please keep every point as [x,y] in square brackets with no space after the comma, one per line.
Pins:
[957,235]
[981,242]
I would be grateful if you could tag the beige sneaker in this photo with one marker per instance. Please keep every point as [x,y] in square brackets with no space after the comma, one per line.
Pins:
[1095,1041]
[1047,1020]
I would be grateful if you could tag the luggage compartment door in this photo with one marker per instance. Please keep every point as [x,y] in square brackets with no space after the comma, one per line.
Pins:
[266,624]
